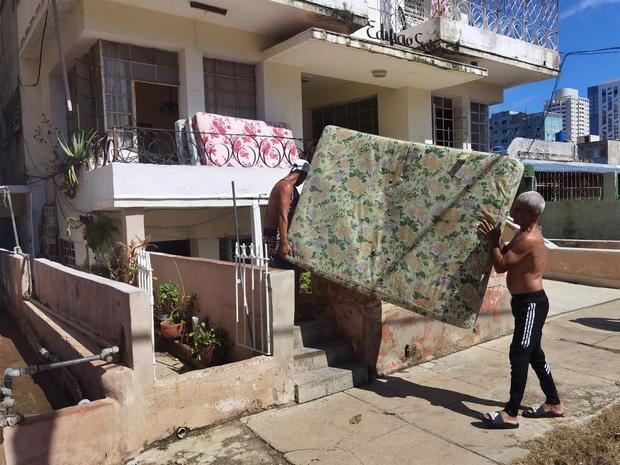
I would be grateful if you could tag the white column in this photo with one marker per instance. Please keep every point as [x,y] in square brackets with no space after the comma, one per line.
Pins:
[278,95]
[191,90]
[132,225]
[256,226]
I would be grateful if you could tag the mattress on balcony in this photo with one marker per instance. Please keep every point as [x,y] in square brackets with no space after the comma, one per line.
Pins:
[397,220]
[237,142]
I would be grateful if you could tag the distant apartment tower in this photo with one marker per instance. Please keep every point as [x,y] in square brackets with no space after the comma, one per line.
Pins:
[604,106]
[575,112]
[507,125]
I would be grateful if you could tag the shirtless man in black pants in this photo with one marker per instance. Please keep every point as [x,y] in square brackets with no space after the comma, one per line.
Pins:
[524,259]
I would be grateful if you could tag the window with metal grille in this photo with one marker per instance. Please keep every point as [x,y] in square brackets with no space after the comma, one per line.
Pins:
[479,127]
[230,88]
[415,11]
[558,186]
[66,252]
[443,121]
[361,115]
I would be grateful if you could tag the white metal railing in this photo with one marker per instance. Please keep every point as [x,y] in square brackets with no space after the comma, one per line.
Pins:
[253,310]
[533,21]
[145,282]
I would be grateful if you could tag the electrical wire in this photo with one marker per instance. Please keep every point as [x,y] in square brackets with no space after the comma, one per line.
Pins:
[600,51]
[36,83]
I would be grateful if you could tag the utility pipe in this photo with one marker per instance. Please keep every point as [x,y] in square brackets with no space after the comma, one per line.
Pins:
[65,78]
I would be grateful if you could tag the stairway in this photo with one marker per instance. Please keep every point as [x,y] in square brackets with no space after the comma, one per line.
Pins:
[322,363]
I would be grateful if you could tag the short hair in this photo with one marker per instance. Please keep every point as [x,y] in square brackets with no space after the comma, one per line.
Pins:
[533,201]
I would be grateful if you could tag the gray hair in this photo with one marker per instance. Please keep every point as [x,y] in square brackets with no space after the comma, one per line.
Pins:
[533,201]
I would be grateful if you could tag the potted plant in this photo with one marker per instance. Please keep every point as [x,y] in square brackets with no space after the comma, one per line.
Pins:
[173,310]
[209,345]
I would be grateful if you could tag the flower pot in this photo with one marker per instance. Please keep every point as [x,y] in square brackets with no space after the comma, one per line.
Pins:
[170,330]
[210,355]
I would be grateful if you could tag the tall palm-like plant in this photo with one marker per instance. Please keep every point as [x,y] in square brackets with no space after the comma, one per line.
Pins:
[77,150]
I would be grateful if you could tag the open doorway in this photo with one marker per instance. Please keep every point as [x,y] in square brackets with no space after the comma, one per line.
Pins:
[156,111]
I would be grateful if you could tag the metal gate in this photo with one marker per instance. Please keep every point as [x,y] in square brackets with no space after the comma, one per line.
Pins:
[253,310]
[145,282]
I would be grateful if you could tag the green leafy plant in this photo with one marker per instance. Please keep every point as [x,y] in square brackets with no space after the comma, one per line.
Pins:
[305,283]
[208,338]
[179,308]
[75,153]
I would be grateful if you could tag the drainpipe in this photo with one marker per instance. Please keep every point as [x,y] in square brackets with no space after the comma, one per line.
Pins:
[65,78]
[6,391]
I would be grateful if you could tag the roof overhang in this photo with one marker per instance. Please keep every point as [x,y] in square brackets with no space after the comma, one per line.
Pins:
[340,56]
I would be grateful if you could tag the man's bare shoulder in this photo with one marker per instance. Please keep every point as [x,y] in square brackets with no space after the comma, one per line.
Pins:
[526,241]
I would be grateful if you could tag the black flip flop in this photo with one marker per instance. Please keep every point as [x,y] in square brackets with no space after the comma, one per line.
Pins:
[538,411]
[496,421]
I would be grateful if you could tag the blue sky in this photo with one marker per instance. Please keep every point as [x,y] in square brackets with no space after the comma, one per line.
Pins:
[584,24]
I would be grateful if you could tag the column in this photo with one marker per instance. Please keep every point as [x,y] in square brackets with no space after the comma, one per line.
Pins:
[256,227]
[191,76]
[278,95]
[132,225]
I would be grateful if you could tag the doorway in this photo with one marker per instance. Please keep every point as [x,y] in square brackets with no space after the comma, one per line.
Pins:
[156,111]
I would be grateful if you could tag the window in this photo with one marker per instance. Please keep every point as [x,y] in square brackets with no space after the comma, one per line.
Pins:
[361,115]
[230,88]
[66,253]
[443,127]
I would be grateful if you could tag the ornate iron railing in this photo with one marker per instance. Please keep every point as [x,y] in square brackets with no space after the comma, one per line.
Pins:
[533,21]
[169,147]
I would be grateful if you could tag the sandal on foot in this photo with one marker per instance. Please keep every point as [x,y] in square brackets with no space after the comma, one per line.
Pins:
[496,421]
[538,411]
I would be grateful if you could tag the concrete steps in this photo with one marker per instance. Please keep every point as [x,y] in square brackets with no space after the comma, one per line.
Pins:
[322,363]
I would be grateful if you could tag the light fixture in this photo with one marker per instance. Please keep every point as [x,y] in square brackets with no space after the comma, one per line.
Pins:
[379,73]
[209,8]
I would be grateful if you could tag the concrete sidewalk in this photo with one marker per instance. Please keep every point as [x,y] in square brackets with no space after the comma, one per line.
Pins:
[428,414]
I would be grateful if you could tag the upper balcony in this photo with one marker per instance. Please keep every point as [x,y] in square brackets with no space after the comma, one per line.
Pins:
[516,40]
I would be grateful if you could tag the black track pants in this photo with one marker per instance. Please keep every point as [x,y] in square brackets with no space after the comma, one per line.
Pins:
[530,312]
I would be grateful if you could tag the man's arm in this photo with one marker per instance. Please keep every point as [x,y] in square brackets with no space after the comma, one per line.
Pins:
[284,202]
[504,256]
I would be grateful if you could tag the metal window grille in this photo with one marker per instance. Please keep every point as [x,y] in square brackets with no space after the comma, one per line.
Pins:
[360,115]
[443,121]
[66,253]
[230,88]
[559,186]
[479,113]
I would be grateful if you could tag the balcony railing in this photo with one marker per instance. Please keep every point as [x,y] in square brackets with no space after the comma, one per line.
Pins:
[168,147]
[533,21]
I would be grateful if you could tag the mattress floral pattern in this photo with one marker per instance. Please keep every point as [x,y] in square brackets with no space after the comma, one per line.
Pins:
[238,142]
[397,220]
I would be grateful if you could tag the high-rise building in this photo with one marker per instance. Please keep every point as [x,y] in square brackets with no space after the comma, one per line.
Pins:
[604,106]
[507,125]
[575,112]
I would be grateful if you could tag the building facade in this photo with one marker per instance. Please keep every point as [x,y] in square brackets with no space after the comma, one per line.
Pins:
[506,125]
[575,112]
[604,109]
[389,68]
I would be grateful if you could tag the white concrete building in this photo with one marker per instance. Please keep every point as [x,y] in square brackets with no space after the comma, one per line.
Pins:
[575,112]
[604,105]
[414,70]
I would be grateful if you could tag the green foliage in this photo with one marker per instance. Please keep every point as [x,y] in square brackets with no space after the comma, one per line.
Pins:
[205,337]
[74,153]
[305,283]
[179,308]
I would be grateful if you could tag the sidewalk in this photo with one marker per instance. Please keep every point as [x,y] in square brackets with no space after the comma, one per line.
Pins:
[428,414]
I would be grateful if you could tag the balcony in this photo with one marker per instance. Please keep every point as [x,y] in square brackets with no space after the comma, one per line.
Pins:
[516,40]
[156,168]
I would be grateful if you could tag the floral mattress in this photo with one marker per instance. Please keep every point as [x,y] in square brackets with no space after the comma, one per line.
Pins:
[397,220]
[238,142]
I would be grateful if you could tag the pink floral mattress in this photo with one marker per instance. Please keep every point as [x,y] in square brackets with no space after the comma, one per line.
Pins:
[238,142]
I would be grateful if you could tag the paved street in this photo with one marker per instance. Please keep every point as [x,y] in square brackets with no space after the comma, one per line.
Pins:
[428,414]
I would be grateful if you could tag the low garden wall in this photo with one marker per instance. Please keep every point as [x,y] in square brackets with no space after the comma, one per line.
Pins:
[590,266]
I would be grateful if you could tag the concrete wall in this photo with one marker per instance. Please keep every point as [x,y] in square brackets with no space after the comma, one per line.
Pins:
[590,266]
[131,410]
[214,284]
[389,338]
[585,219]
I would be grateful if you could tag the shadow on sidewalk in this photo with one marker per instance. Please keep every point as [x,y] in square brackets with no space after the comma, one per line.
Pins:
[606,324]
[445,398]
